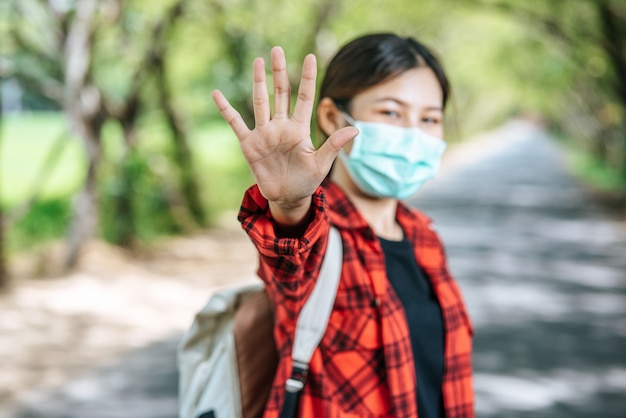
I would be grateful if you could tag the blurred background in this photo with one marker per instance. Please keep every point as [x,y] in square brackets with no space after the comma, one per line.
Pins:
[120,182]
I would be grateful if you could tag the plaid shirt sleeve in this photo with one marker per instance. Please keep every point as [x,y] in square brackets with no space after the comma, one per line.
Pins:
[288,265]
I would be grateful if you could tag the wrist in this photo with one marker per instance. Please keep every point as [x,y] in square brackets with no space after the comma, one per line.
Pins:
[290,213]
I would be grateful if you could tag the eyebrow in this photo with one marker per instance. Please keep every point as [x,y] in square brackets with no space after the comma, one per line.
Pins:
[403,103]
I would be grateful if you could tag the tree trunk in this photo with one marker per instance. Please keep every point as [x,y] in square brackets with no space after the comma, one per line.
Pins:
[322,13]
[85,216]
[182,152]
[4,272]
[84,107]
[614,45]
[622,144]
[237,45]
[125,228]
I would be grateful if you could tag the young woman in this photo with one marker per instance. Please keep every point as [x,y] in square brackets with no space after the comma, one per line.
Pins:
[398,342]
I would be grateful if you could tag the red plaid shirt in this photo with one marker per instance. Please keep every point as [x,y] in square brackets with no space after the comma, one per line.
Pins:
[364,364]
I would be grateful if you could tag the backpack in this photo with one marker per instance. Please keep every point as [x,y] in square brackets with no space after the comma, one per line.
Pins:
[228,358]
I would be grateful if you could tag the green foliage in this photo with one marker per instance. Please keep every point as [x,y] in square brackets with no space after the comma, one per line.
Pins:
[222,171]
[596,173]
[504,58]
[121,44]
[224,174]
[47,220]
[148,205]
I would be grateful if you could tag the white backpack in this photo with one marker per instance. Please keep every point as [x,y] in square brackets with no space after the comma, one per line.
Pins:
[211,384]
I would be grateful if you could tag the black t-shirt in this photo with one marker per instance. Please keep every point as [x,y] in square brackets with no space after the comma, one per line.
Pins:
[424,317]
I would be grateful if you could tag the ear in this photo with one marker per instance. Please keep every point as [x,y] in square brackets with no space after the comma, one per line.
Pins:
[329,118]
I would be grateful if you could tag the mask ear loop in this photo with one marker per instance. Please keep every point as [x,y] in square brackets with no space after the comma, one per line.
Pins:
[348,118]
[342,154]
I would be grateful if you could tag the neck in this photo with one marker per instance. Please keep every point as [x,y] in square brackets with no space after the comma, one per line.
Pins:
[380,213]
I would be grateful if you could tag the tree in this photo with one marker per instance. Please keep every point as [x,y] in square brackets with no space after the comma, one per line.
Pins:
[75,55]
[4,273]
[84,106]
[177,127]
[127,113]
[243,36]
[590,35]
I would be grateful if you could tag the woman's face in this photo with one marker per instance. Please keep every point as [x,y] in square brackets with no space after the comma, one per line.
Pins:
[412,99]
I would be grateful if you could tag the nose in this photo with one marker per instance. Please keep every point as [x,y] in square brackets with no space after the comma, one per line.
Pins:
[412,121]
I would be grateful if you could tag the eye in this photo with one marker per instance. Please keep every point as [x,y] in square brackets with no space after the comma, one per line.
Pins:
[431,120]
[391,113]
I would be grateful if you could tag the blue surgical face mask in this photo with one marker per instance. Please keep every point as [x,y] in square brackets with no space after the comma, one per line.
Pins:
[391,161]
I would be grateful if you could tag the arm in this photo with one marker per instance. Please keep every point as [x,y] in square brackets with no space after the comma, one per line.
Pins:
[288,264]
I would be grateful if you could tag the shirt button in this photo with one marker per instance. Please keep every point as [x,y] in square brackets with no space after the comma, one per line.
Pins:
[375,302]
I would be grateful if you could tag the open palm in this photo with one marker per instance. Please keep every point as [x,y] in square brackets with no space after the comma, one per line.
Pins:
[279,150]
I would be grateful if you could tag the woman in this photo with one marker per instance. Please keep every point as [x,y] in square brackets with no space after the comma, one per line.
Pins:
[398,342]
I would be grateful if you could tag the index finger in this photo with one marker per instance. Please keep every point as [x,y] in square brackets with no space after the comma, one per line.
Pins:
[231,116]
[306,91]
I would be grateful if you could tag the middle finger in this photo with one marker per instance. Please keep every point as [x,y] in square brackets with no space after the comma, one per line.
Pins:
[260,98]
[282,89]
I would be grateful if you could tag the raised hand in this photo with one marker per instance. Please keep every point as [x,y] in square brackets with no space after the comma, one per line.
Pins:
[285,164]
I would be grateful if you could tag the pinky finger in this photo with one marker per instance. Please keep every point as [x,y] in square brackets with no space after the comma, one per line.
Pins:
[231,116]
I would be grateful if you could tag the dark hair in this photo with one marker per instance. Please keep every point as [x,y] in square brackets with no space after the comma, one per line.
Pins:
[373,59]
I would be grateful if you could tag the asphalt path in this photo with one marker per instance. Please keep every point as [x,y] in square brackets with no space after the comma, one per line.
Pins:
[542,269]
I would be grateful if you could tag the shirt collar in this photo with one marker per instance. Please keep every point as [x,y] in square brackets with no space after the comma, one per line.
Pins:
[345,215]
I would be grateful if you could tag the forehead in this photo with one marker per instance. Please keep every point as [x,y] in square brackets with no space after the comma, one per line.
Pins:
[418,88]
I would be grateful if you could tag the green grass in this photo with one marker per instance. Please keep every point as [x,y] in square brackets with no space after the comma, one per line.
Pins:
[25,141]
[595,174]
[24,144]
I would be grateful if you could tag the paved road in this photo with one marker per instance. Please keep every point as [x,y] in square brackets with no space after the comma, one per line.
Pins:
[543,271]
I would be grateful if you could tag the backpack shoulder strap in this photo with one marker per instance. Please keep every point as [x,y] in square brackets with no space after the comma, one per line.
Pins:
[313,320]
[315,313]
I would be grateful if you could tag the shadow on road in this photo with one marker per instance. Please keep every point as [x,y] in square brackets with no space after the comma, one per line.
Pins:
[543,270]
[141,384]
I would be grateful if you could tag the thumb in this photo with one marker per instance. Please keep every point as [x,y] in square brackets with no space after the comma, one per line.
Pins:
[327,153]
